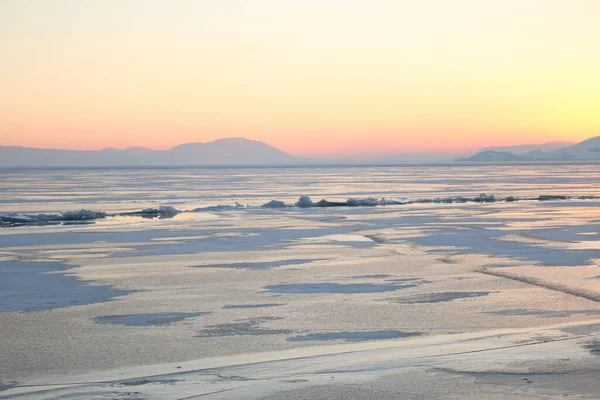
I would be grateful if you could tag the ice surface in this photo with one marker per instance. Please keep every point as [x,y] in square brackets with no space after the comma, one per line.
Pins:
[421,269]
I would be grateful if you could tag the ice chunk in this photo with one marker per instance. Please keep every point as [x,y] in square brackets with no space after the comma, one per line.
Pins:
[274,204]
[546,197]
[485,198]
[17,217]
[304,202]
[368,201]
[82,215]
[327,203]
[160,211]
[394,200]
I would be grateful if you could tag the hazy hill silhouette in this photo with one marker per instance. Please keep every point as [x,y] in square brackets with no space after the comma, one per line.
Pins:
[240,152]
[588,150]
[230,151]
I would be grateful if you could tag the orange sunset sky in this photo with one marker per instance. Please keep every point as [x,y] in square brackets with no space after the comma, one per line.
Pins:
[312,77]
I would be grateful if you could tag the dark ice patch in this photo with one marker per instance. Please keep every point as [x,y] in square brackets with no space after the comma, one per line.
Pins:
[250,240]
[593,347]
[436,297]
[356,336]
[140,382]
[37,286]
[258,265]
[378,239]
[420,280]
[151,319]
[584,329]
[307,288]
[490,241]
[249,327]
[252,305]
[7,385]
[545,313]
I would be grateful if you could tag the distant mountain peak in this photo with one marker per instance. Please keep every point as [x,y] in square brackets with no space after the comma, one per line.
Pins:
[593,140]
[228,146]
[523,149]
[492,156]
[588,150]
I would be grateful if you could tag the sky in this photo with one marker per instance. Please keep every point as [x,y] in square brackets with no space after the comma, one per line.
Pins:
[311,77]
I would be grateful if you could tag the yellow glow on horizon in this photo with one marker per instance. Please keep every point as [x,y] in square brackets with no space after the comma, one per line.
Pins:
[311,77]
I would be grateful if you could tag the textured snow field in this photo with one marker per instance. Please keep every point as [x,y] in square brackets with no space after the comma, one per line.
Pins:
[419,301]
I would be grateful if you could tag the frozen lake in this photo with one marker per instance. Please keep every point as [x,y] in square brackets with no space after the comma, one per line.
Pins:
[490,299]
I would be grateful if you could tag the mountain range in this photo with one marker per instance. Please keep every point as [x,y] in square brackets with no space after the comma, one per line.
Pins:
[524,149]
[230,151]
[240,151]
[588,150]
